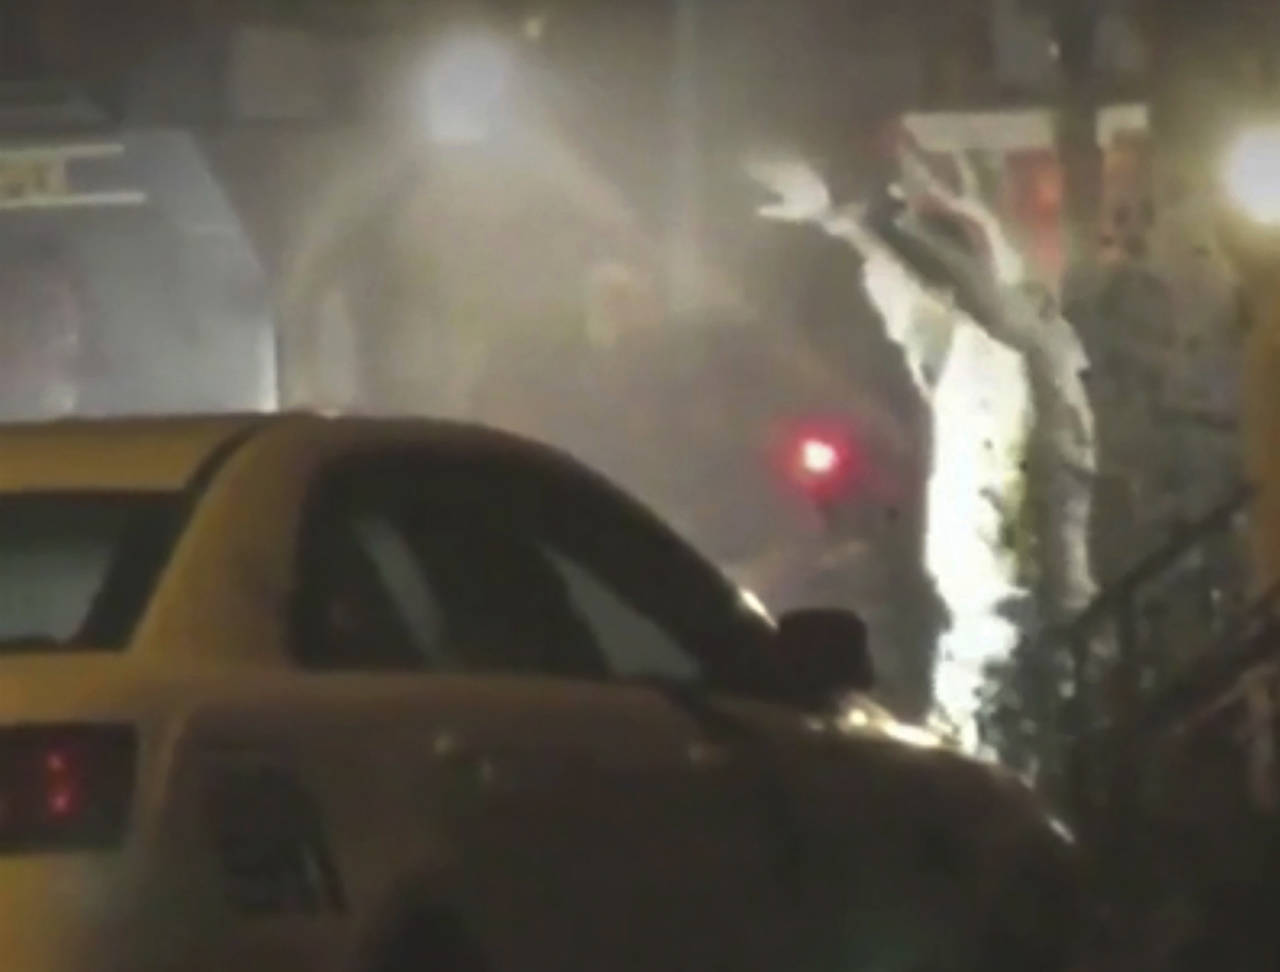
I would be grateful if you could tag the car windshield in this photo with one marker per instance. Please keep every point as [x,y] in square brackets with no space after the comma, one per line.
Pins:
[76,569]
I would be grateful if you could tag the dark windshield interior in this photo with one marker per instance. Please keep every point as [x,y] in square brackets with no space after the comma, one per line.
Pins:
[76,569]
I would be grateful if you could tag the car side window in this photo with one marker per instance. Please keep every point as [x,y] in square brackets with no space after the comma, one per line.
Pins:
[634,645]
[482,565]
[397,571]
[349,611]
[503,605]
[461,596]
[561,569]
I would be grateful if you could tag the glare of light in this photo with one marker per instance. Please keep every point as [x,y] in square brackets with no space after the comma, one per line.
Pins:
[465,88]
[1251,173]
[914,736]
[751,603]
[1064,833]
[981,415]
[856,719]
[818,457]
[859,720]
[61,801]
[535,26]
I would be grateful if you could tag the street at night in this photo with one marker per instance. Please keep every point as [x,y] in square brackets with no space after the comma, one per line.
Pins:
[529,485]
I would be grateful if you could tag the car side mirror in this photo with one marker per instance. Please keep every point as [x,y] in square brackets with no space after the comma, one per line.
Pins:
[826,652]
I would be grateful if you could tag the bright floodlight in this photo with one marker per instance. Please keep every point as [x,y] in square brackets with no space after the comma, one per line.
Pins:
[465,88]
[1251,175]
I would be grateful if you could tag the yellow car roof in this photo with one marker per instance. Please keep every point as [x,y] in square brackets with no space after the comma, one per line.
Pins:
[164,454]
[133,454]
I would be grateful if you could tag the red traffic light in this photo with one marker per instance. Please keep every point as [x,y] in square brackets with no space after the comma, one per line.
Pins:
[823,462]
[818,457]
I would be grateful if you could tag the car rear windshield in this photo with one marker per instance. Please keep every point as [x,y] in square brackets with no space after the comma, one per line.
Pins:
[77,569]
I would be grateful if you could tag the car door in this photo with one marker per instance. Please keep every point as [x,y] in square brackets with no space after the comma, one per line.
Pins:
[590,809]
[676,831]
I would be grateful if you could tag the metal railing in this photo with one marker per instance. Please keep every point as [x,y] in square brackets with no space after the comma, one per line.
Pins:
[1120,660]
[1163,632]
[1151,766]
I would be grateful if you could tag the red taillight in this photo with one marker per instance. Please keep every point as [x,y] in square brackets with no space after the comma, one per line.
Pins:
[65,786]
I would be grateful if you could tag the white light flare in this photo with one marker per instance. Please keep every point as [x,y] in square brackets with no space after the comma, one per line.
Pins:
[465,89]
[982,415]
[981,407]
[1251,173]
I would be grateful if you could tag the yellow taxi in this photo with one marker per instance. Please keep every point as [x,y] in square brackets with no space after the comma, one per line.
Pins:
[300,693]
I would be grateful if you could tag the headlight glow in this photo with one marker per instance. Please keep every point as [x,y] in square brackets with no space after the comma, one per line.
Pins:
[1251,173]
